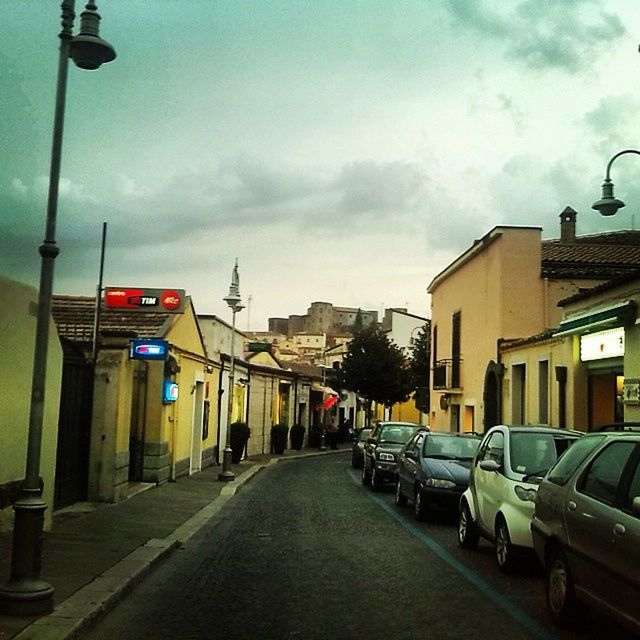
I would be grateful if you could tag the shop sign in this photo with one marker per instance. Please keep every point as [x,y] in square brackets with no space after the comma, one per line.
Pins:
[162,300]
[601,345]
[169,392]
[631,391]
[148,349]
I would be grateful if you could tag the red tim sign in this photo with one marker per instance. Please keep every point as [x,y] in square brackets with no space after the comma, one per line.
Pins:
[161,300]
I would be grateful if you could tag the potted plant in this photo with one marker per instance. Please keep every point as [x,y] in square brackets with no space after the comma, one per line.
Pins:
[297,436]
[279,434]
[238,435]
[314,436]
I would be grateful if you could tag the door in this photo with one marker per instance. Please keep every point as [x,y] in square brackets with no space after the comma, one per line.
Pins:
[196,427]
[138,421]
[592,523]
[489,485]
[74,428]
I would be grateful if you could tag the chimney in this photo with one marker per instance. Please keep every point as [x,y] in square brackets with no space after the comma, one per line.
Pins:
[568,226]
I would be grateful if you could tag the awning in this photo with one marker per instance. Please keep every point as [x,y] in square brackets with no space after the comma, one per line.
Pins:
[613,316]
[316,386]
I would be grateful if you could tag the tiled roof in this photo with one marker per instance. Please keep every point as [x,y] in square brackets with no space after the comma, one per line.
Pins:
[596,256]
[585,294]
[74,316]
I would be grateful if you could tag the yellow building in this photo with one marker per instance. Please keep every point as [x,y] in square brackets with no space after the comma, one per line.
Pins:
[17,341]
[152,420]
[507,286]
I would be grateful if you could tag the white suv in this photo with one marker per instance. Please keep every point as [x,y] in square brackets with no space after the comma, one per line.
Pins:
[505,475]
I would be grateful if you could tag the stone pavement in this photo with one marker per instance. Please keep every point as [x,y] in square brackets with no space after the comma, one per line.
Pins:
[97,552]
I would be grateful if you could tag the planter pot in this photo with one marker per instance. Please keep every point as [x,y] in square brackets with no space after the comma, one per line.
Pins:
[297,437]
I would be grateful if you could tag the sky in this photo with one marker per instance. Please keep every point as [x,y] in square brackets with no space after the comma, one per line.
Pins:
[342,150]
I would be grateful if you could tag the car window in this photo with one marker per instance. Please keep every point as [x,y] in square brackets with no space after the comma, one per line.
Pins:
[601,479]
[396,434]
[494,448]
[451,447]
[634,488]
[417,443]
[572,459]
[364,434]
[534,452]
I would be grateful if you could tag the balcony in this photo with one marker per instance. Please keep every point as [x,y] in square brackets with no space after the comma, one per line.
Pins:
[446,374]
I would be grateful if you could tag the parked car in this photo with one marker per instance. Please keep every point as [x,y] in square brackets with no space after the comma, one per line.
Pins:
[357,450]
[381,451]
[433,470]
[586,528]
[505,475]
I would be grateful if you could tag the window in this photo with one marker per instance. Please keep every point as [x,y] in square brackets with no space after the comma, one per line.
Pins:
[543,392]
[634,488]
[493,449]
[572,459]
[518,386]
[455,349]
[603,476]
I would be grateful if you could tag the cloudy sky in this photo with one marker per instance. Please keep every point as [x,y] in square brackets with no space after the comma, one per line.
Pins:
[342,150]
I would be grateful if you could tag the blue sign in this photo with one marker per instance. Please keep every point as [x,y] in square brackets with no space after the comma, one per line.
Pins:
[148,349]
[169,392]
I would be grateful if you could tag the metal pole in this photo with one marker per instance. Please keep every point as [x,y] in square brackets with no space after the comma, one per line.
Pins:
[226,475]
[96,316]
[26,593]
[323,427]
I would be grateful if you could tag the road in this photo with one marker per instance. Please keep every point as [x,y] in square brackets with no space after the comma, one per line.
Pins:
[305,552]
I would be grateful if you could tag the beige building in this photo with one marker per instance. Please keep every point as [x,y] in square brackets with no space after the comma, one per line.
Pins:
[17,340]
[506,286]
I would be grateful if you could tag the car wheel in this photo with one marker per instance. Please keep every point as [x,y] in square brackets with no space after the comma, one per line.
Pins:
[366,476]
[401,499]
[505,552]
[468,536]
[376,481]
[560,594]
[419,505]
[355,463]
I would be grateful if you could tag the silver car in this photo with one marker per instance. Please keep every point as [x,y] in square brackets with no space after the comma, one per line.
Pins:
[586,528]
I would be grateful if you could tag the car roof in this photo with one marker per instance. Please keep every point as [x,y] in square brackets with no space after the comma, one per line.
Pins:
[456,434]
[539,429]
[384,423]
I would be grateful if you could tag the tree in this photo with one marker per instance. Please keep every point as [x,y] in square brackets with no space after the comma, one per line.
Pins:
[419,367]
[375,368]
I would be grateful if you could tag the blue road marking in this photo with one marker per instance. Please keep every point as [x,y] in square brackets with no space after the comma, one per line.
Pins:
[523,619]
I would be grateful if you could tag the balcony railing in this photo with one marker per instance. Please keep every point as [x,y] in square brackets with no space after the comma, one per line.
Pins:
[446,374]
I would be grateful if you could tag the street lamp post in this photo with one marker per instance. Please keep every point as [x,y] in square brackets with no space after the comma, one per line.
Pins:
[608,205]
[235,303]
[26,593]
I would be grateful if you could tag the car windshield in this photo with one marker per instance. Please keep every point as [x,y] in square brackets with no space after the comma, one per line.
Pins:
[396,433]
[450,447]
[533,453]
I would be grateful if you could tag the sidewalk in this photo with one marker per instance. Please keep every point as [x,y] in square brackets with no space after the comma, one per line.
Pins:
[98,551]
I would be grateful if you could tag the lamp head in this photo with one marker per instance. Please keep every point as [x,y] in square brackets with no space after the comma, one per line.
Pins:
[608,205]
[88,50]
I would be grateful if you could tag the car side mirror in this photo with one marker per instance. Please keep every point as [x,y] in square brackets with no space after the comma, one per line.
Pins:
[371,440]
[635,507]
[489,465]
[412,455]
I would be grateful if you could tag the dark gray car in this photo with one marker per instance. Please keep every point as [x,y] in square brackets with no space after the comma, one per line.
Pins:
[382,449]
[586,528]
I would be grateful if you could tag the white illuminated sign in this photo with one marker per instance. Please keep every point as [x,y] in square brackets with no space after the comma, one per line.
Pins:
[603,344]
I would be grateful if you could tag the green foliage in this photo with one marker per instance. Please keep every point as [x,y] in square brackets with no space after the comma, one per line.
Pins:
[239,433]
[375,368]
[419,366]
[240,430]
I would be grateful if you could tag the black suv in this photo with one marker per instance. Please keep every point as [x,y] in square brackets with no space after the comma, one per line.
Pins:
[382,449]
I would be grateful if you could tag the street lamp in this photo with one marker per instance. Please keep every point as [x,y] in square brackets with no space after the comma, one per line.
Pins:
[26,593]
[608,205]
[235,304]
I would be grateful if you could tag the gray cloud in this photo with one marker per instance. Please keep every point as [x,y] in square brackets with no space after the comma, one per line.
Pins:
[612,124]
[545,34]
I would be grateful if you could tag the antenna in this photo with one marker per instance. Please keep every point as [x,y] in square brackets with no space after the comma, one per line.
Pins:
[249,299]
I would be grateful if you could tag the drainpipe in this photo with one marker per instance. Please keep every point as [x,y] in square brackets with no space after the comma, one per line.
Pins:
[219,409]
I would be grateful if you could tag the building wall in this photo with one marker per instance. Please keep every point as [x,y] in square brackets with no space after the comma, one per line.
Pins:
[263,390]
[556,352]
[499,294]
[17,341]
